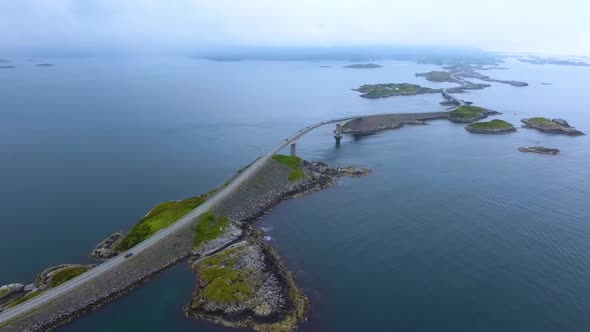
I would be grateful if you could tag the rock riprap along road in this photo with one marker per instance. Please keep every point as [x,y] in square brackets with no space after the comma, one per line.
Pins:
[113,264]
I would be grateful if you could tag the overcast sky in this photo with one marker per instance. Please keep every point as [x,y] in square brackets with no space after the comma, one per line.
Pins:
[558,27]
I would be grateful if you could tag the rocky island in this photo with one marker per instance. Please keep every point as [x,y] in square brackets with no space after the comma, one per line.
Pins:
[364,66]
[555,126]
[246,285]
[241,280]
[438,76]
[539,149]
[495,126]
[45,65]
[393,89]
[470,113]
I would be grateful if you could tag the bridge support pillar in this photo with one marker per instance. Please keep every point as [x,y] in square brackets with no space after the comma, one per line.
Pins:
[293,149]
[338,133]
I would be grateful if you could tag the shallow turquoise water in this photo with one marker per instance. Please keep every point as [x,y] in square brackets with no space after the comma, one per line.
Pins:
[452,231]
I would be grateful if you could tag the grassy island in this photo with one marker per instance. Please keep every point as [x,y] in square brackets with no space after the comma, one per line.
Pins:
[469,113]
[437,76]
[364,65]
[159,217]
[294,163]
[495,126]
[66,274]
[393,89]
[555,126]
[210,227]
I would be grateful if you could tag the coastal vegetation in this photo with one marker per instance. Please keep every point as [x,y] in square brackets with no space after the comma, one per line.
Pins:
[24,298]
[392,89]
[468,113]
[66,274]
[437,76]
[364,65]
[292,162]
[209,227]
[224,281]
[495,126]
[159,217]
[539,121]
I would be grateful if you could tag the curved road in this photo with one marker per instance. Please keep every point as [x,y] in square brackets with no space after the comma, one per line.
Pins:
[113,263]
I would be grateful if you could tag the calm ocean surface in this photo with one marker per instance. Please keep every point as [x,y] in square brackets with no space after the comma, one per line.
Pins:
[452,231]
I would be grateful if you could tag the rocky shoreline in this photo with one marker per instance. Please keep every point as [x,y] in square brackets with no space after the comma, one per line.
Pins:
[248,204]
[266,297]
[15,293]
[370,125]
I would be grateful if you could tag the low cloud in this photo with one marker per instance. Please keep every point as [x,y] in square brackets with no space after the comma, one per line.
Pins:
[183,26]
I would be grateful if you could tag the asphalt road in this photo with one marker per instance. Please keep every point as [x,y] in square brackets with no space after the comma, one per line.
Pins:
[113,263]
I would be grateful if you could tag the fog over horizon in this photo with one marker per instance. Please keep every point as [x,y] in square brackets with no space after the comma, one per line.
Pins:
[50,27]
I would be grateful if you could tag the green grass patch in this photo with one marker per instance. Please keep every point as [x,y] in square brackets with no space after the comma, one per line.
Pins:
[4,291]
[494,124]
[392,89]
[159,217]
[467,112]
[66,274]
[209,228]
[229,286]
[225,283]
[292,162]
[541,121]
[437,76]
[25,298]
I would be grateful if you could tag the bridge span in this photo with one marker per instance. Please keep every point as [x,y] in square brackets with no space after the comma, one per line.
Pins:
[113,264]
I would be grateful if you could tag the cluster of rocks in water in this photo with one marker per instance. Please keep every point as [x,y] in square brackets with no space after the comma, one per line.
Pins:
[539,149]
[11,293]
